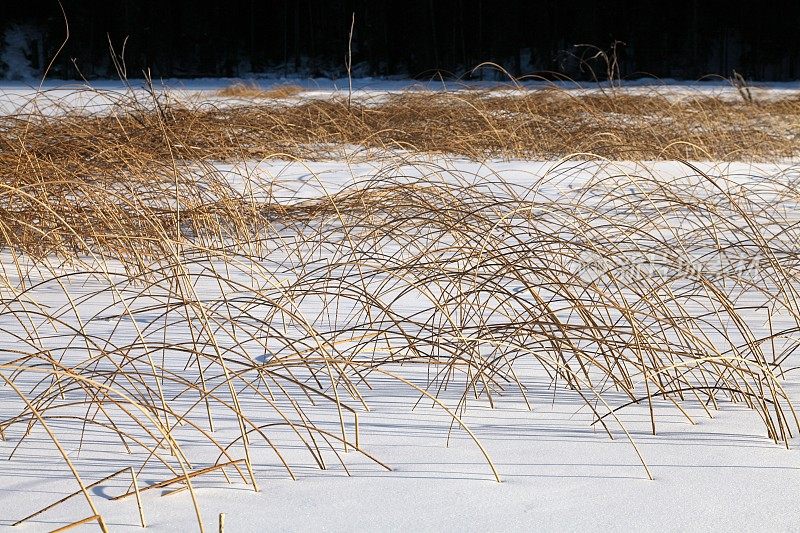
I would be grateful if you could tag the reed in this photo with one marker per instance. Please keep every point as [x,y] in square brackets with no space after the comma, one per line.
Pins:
[195,310]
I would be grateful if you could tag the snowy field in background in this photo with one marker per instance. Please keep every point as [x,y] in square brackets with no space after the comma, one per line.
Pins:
[558,472]
[15,96]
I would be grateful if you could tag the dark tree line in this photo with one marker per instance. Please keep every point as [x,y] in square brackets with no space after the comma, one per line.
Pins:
[679,38]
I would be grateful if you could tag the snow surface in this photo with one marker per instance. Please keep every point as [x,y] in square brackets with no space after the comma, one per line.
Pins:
[16,96]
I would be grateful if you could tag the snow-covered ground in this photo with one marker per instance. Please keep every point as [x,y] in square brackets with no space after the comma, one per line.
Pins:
[16,96]
[558,471]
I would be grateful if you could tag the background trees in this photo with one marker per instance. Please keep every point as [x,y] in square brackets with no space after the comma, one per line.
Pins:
[679,38]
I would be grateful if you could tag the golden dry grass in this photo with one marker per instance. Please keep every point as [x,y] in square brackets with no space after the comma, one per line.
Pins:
[195,312]
[92,185]
[243,90]
[529,124]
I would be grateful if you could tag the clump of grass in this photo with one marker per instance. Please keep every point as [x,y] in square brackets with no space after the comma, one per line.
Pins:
[246,91]
[124,178]
[547,123]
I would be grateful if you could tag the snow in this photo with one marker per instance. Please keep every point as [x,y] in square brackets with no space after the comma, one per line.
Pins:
[16,96]
[558,474]
[558,471]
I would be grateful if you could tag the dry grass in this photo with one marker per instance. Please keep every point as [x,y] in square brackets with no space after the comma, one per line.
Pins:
[526,124]
[246,91]
[194,312]
[91,187]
